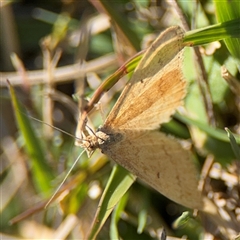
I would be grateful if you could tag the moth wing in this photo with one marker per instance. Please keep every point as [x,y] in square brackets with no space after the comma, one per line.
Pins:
[161,162]
[156,88]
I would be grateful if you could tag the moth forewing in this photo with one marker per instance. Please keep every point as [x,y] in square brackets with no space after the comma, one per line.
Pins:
[157,77]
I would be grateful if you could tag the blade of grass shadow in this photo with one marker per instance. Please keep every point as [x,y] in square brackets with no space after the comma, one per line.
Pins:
[119,182]
[42,174]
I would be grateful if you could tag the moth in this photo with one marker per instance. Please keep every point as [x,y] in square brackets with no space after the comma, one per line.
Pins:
[130,135]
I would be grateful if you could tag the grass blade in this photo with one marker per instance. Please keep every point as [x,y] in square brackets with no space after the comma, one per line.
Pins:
[225,30]
[235,147]
[41,172]
[119,182]
[225,11]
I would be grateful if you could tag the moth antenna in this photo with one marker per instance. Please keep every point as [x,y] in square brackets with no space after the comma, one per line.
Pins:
[56,128]
[90,130]
[94,133]
[63,181]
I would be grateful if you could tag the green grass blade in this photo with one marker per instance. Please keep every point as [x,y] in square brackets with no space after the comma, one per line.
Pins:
[225,11]
[119,182]
[182,220]
[234,145]
[225,30]
[116,216]
[215,133]
[41,171]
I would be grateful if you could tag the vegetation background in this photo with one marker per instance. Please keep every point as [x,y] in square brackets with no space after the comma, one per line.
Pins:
[54,53]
